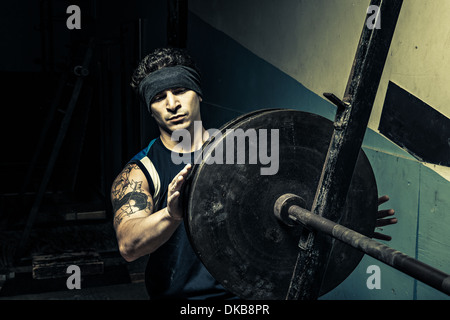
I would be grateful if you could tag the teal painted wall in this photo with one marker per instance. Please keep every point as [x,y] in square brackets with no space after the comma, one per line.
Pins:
[417,193]
[237,81]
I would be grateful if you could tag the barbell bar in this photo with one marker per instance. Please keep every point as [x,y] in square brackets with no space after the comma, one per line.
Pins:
[285,209]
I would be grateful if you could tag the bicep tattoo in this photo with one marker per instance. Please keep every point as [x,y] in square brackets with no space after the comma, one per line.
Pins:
[128,197]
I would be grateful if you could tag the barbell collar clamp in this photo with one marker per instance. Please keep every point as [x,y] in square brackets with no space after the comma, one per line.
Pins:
[282,205]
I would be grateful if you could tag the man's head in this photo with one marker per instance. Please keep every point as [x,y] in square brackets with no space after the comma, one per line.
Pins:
[168,82]
[161,58]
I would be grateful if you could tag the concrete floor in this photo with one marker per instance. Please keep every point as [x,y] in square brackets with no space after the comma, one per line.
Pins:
[129,291]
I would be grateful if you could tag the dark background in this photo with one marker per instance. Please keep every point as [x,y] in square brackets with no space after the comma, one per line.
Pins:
[38,51]
[63,206]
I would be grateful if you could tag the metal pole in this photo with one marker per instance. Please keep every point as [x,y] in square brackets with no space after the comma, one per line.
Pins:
[396,259]
[350,126]
[54,155]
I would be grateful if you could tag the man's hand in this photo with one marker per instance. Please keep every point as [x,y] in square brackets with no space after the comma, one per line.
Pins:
[381,222]
[174,208]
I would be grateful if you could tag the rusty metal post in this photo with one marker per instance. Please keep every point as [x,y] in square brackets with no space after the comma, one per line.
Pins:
[350,126]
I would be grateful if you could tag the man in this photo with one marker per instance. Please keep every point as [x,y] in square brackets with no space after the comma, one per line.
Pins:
[146,194]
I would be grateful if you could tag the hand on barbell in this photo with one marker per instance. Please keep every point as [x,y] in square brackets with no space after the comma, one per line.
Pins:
[383,221]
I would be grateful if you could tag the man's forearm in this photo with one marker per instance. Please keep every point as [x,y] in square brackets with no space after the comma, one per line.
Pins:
[143,235]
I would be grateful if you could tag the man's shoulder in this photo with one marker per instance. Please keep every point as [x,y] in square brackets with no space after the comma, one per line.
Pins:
[155,143]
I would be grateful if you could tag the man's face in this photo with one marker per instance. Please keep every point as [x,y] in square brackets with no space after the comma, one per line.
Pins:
[175,109]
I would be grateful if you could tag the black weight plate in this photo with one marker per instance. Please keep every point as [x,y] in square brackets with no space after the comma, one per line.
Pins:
[229,207]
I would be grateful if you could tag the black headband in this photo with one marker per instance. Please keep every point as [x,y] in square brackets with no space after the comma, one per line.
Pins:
[168,78]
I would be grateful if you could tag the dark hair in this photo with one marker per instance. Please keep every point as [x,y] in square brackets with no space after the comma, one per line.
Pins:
[158,59]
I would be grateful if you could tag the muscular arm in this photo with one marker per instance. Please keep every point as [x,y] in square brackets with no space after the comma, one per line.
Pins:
[139,230]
